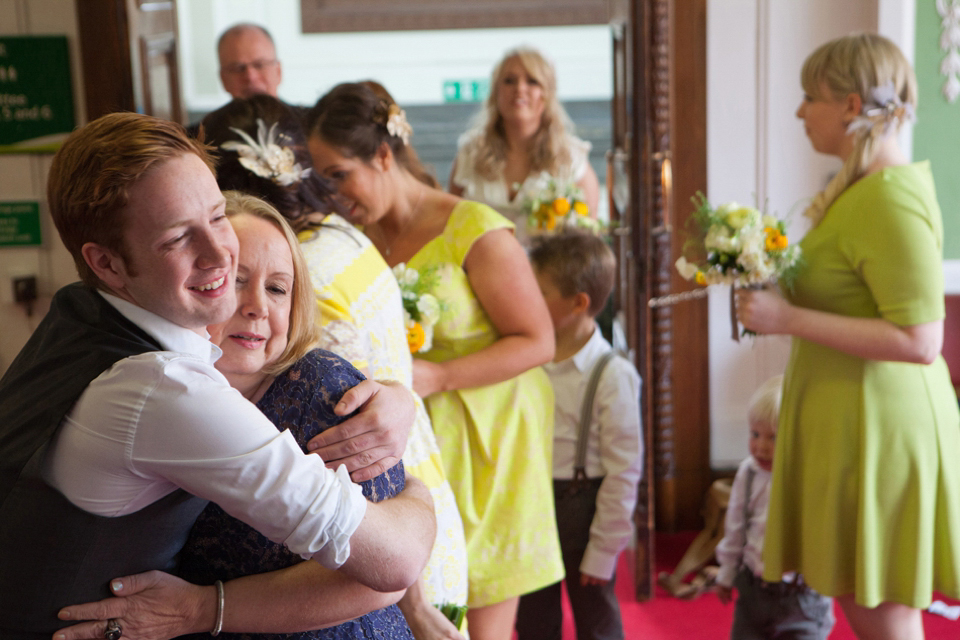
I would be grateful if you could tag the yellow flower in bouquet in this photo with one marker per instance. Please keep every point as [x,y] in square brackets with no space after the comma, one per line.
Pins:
[561,206]
[738,245]
[416,336]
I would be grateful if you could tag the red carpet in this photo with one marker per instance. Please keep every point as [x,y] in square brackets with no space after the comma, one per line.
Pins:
[668,618]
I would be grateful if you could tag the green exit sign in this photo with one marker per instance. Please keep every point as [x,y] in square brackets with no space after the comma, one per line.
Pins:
[36,101]
[19,224]
[465,90]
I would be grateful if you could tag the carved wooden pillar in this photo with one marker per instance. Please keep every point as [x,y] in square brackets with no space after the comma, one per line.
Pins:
[672,169]
[661,318]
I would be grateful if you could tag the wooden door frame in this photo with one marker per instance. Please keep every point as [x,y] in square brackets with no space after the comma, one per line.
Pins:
[670,167]
[664,46]
[106,59]
[116,47]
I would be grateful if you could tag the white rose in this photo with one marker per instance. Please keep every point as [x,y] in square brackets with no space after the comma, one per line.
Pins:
[752,240]
[405,277]
[724,209]
[740,217]
[687,270]
[720,239]
[429,309]
[750,260]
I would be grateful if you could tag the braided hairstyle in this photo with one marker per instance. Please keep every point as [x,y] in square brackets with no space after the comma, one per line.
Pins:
[309,194]
[353,117]
[860,64]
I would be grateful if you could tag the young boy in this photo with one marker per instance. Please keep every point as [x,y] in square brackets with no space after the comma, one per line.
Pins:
[787,609]
[594,509]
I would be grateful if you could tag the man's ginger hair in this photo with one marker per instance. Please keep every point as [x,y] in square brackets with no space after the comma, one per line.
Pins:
[92,173]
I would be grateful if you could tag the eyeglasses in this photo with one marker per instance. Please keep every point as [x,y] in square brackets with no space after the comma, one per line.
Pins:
[241,67]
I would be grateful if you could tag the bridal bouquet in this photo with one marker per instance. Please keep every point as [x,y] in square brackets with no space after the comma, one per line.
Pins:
[421,309]
[737,245]
[553,206]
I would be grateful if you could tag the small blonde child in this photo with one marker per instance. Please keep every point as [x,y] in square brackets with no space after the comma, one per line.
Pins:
[595,504]
[786,609]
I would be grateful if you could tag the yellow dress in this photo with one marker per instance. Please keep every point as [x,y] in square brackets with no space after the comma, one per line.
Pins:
[496,441]
[361,318]
[865,497]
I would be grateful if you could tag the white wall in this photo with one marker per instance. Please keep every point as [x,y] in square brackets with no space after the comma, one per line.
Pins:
[757,152]
[411,64]
[24,177]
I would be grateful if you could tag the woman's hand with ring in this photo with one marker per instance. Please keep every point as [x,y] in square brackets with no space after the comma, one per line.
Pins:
[113,630]
[151,606]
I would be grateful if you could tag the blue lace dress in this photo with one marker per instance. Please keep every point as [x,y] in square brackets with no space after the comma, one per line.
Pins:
[222,548]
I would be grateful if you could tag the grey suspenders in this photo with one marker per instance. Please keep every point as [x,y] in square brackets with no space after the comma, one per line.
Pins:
[586,414]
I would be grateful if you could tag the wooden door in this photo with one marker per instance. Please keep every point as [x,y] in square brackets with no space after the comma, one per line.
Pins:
[129,50]
[657,85]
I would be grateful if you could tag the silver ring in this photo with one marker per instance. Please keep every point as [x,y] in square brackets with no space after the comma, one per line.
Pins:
[113,631]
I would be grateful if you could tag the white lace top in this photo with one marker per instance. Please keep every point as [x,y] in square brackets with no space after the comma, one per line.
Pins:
[496,193]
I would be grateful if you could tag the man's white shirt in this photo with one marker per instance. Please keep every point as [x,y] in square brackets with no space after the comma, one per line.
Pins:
[166,419]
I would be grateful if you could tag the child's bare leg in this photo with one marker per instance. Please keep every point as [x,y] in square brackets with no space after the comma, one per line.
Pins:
[888,621]
[494,621]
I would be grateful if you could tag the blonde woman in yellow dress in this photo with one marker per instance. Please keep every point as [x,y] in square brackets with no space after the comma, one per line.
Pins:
[490,402]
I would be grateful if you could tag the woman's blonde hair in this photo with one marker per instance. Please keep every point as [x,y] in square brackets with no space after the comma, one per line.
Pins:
[302,334]
[548,151]
[860,64]
[765,403]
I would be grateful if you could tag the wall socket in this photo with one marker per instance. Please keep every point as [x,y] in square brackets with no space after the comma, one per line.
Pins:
[24,289]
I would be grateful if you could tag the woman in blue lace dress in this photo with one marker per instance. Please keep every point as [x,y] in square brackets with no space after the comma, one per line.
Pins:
[300,396]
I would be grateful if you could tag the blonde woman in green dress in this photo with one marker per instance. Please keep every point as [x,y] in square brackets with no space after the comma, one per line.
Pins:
[865,501]
[490,403]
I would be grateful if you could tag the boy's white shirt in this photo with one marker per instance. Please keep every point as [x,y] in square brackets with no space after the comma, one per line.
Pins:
[743,542]
[614,445]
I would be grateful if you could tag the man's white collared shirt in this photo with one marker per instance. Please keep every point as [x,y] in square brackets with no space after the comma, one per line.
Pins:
[166,419]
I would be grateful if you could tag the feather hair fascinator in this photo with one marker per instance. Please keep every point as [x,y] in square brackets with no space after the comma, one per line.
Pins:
[266,157]
[883,113]
[397,124]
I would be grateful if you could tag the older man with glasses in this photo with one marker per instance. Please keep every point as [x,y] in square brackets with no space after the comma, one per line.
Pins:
[248,61]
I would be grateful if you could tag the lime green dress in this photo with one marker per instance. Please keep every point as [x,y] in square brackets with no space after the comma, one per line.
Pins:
[866,484]
[495,441]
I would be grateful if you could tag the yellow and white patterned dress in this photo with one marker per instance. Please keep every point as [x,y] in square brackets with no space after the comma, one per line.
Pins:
[361,316]
[496,440]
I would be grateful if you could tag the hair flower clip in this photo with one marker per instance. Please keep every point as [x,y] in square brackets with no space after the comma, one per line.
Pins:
[265,157]
[883,113]
[397,124]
